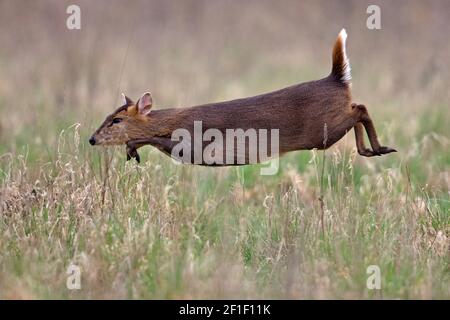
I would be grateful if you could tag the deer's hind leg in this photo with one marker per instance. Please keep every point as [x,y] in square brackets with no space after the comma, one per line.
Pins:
[359,137]
[364,121]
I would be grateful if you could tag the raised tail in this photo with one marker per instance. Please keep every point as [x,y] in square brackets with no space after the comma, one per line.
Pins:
[341,64]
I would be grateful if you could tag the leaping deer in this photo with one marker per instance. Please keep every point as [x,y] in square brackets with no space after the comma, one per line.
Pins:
[300,113]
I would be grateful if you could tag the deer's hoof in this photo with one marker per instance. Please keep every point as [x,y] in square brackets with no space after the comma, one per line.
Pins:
[366,152]
[384,150]
[378,152]
[132,153]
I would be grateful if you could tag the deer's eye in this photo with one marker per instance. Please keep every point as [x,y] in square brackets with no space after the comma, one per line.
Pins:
[117,120]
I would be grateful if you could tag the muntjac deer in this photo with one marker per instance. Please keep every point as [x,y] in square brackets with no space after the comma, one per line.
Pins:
[309,115]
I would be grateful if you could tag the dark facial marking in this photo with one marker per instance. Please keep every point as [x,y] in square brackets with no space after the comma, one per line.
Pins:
[115,121]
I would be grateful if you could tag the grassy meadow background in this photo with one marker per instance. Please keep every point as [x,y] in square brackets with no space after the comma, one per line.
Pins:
[159,230]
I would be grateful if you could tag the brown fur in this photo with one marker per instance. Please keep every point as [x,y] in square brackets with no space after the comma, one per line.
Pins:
[309,115]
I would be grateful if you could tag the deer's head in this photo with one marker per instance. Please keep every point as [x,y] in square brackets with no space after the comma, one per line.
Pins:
[127,123]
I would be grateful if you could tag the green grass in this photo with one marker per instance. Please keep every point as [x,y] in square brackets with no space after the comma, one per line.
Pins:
[160,230]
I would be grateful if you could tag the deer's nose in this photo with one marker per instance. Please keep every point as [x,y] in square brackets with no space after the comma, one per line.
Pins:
[92,140]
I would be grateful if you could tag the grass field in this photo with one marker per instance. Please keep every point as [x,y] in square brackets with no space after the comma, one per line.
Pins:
[160,230]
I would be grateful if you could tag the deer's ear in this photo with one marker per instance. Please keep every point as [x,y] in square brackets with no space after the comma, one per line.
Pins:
[144,103]
[126,101]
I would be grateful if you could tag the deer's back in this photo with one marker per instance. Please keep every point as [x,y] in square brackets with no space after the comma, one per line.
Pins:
[299,112]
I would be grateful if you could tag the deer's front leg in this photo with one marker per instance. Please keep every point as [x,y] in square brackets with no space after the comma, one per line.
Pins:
[162,143]
[132,147]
